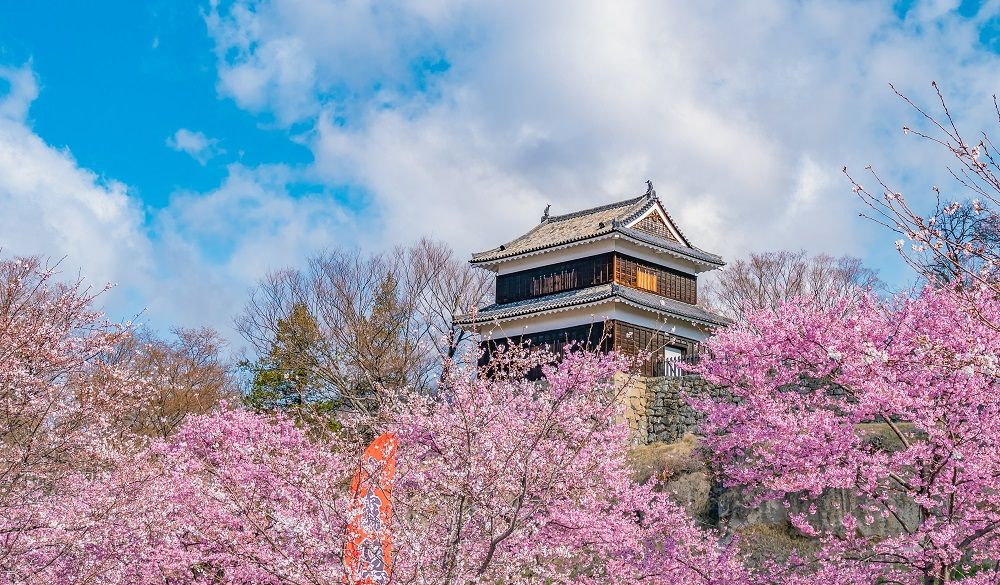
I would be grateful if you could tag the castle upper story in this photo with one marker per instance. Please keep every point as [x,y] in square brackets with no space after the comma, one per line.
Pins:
[624,265]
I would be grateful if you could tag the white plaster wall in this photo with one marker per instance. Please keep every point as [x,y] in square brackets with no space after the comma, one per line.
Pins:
[589,248]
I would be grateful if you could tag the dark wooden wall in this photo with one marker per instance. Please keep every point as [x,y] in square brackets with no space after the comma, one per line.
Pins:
[588,336]
[537,282]
[624,337]
[597,270]
[631,339]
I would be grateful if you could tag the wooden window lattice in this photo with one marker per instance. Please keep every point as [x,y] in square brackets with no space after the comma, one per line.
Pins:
[645,276]
[646,279]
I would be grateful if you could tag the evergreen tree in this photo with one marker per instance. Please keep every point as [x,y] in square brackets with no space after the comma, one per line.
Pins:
[286,378]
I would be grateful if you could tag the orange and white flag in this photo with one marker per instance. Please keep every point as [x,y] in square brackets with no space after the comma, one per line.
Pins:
[368,550]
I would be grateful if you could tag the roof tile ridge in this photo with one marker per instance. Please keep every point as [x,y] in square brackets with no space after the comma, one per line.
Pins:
[506,245]
[668,302]
[567,300]
[635,214]
[605,207]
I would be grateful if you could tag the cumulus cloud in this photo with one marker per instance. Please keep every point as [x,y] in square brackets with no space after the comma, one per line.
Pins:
[463,120]
[51,206]
[200,147]
[214,246]
[742,114]
[288,57]
[189,263]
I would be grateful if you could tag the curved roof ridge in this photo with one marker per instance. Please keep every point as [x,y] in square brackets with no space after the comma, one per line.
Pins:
[605,207]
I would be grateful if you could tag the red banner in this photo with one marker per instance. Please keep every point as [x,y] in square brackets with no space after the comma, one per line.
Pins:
[368,551]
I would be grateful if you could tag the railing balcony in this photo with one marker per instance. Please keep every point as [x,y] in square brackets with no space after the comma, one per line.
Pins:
[676,367]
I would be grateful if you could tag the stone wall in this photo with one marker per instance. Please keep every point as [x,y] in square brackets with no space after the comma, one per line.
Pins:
[664,428]
[658,411]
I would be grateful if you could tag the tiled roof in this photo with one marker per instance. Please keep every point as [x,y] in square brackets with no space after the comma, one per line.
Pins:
[676,308]
[559,230]
[689,251]
[567,299]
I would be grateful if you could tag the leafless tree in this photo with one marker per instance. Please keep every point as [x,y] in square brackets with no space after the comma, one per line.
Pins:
[188,375]
[382,319]
[453,286]
[766,280]
[962,226]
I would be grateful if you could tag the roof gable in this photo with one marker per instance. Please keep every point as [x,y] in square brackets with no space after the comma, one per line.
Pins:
[657,221]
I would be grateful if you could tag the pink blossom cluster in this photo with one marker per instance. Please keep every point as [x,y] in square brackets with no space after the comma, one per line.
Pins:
[499,480]
[502,482]
[896,405]
[232,498]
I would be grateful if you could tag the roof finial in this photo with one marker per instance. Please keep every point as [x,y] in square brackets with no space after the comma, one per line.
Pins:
[545,214]
[650,192]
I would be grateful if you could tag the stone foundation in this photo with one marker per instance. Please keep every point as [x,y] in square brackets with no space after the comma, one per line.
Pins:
[656,409]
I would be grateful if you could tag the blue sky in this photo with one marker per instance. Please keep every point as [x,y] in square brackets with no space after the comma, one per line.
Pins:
[181,149]
[117,78]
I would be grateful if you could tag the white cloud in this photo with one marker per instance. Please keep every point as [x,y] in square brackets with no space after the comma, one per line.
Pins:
[200,147]
[51,206]
[254,221]
[283,56]
[22,90]
[189,263]
[213,247]
[742,114]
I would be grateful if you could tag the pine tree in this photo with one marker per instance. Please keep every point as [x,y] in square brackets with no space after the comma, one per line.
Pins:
[286,377]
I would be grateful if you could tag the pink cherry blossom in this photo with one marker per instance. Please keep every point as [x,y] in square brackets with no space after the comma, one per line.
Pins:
[895,403]
[504,482]
[499,480]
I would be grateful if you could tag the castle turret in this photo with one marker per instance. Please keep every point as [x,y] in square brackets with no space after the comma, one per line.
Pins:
[624,266]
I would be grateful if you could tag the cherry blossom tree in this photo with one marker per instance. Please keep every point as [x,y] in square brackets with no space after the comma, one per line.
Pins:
[232,497]
[896,405]
[503,481]
[953,237]
[64,411]
[248,499]
[500,479]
